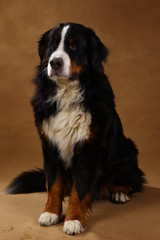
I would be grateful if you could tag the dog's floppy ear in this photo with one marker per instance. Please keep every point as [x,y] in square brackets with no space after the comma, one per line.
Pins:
[98,51]
[43,44]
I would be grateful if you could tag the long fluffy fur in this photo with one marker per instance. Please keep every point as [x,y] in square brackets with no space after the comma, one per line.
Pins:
[108,155]
[28,182]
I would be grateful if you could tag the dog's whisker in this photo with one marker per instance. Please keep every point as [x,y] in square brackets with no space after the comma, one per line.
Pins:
[44,71]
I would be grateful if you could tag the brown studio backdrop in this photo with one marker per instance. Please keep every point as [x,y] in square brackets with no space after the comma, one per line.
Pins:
[130,29]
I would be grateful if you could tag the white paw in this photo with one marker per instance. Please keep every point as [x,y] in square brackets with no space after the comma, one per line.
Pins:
[119,197]
[72,227]
[47,219]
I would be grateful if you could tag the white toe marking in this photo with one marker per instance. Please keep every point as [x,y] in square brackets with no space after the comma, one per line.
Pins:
[47,219]
[72,227]
[120,197]
[127,198]
[117,197]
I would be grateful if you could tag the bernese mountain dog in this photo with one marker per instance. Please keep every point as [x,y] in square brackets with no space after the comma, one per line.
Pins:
[86,154]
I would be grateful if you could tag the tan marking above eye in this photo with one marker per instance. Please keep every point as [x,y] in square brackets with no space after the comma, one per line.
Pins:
[55,39]
[53,43]
[71,44]
[55,36]
[70,40]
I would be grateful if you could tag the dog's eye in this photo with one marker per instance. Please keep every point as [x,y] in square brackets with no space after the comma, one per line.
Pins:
[73,46]
[53,45]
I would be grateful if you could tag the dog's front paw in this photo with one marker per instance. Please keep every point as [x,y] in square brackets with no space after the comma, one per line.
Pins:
[47,219]
[119,197]
[73,227]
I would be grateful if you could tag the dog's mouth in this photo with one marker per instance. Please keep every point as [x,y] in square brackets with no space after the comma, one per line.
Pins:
[55,75]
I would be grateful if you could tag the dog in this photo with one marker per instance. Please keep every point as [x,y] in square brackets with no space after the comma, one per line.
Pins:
[86,154]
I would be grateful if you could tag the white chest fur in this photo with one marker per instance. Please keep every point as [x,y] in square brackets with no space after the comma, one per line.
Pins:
[71,124]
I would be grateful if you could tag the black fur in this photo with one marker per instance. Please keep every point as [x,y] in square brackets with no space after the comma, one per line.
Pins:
[28,182]
[109,155]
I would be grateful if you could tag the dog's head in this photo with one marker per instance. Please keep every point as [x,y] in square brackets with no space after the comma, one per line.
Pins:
[68,49]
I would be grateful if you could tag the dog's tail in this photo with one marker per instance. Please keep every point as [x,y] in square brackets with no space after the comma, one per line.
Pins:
[28,182]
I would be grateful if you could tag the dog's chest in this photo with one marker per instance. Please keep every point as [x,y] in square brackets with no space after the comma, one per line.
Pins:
[70,125]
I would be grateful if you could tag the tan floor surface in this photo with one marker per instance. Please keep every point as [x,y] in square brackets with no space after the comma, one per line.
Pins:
[138,219]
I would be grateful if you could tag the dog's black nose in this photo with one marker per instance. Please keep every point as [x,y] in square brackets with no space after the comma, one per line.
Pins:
[56,63]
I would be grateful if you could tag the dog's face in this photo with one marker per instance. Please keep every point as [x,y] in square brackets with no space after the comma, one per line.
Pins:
[68,49]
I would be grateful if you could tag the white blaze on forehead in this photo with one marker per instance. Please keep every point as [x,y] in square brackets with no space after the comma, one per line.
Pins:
[63,34]
[60,53]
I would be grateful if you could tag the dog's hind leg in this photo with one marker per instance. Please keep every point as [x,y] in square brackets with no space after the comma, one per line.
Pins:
[118,194]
